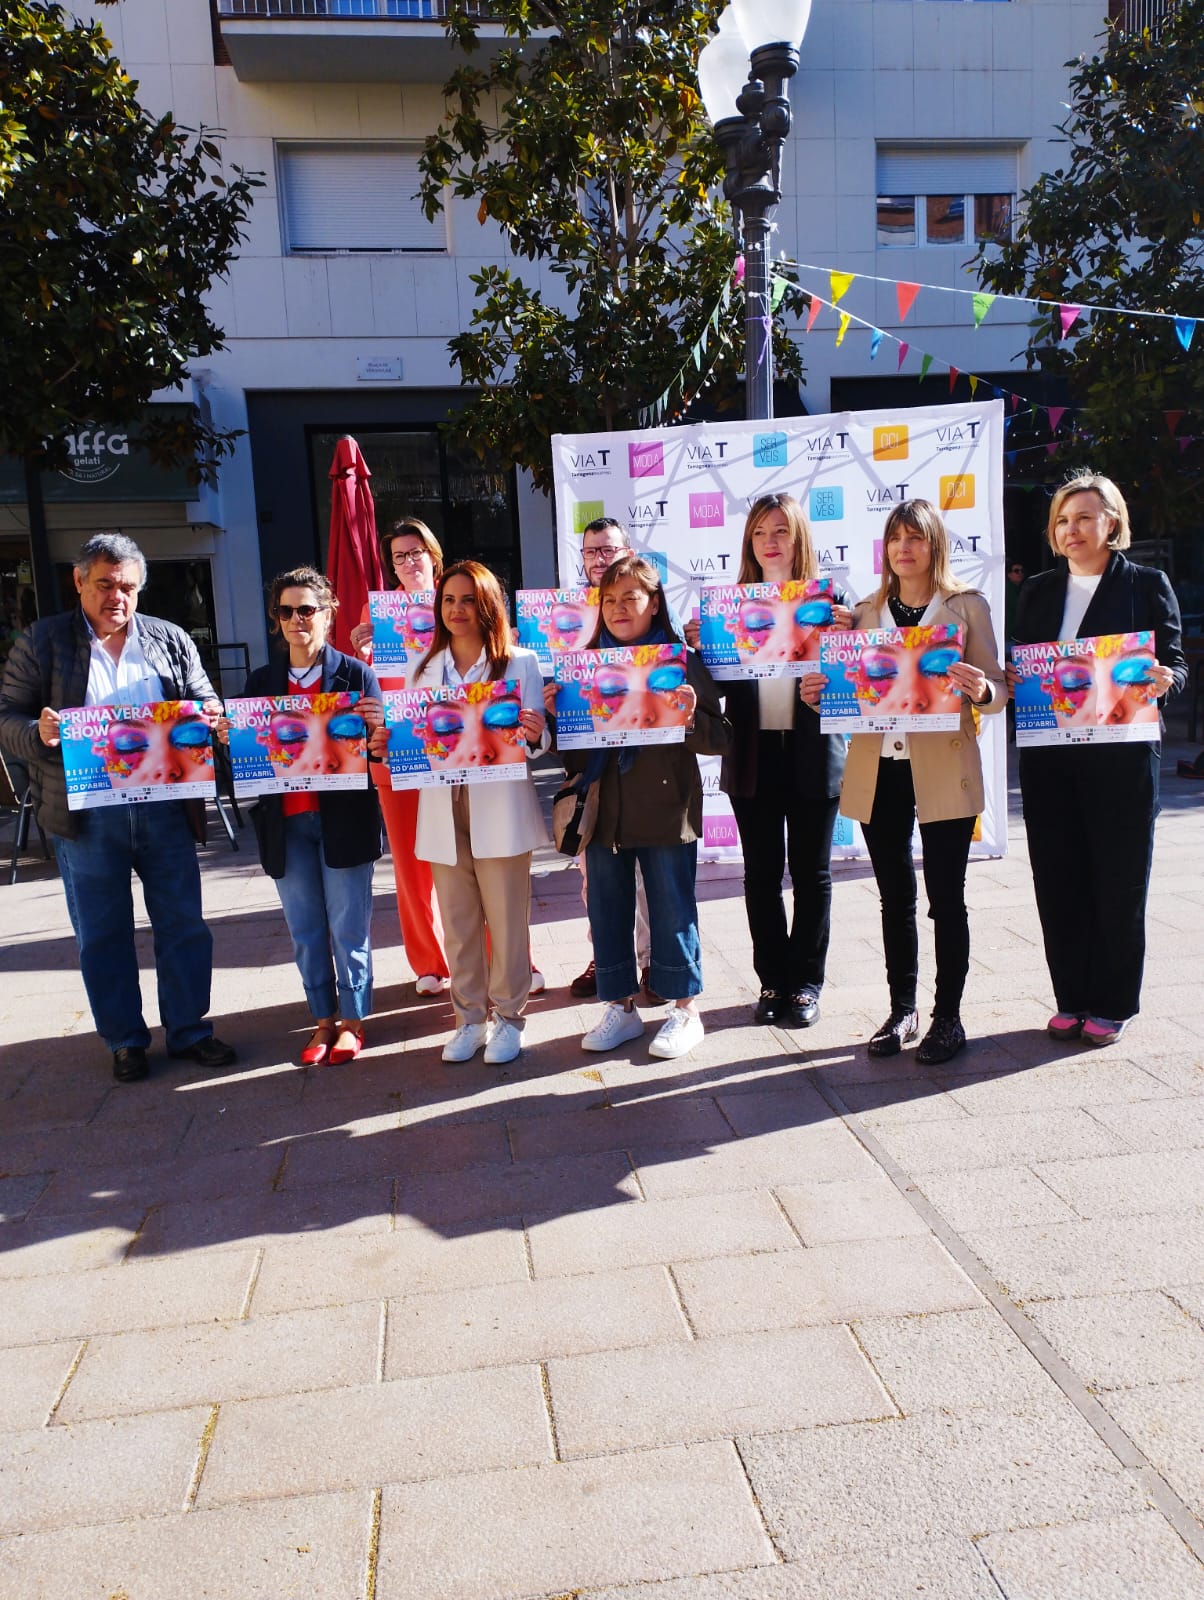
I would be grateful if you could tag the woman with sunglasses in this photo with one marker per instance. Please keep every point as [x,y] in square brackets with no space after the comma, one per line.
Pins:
[411,559]
[1089,809]
[891,780]
[479,838]
[320,847]
[650,812]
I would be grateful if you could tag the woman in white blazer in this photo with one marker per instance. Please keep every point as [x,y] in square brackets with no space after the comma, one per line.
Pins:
[479,838]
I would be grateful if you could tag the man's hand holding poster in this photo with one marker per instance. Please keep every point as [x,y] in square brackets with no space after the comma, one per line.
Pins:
[470,734]
[117,755]
[764,630]
[552,620]
[1086,691]
[638,694]
[403,626]
[296,743]
[890,680]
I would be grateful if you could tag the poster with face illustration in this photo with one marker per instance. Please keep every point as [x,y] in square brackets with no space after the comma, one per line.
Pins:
[1087,691]
[117,755]
[297,743]
[890,680]
[764,630]
[403,626]
[552,620]
[445,735]
[606,699]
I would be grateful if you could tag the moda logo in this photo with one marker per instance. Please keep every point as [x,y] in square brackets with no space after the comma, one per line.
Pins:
[892,443]
[589,463]
[769,450]
[719,833]
[646,460]
[826,505]
[878,545]
[585,512]
[706,511]
[957,492]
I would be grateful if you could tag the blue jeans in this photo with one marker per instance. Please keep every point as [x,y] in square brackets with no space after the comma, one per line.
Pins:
[329,915]
[669,870]
[154,840]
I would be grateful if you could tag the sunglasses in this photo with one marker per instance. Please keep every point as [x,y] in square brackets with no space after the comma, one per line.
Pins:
[287,613]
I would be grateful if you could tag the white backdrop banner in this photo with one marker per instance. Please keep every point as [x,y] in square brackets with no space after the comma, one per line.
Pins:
[686,492]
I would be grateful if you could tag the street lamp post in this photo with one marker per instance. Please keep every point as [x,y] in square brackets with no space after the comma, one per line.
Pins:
[758,40]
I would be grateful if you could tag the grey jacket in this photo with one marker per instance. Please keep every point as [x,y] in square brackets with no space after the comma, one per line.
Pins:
[48,666]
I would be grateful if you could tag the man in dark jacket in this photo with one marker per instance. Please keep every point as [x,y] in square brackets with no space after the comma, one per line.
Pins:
[103,653]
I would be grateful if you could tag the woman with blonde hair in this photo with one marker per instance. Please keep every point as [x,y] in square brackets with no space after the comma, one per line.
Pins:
[1089,809]
[479,842]
[783,778]
[891,780]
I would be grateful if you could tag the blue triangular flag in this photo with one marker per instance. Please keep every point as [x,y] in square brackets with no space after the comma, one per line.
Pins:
[1184,328]
[875,342]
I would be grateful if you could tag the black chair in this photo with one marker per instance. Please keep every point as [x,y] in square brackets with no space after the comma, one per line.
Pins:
[16,794]
[221,673]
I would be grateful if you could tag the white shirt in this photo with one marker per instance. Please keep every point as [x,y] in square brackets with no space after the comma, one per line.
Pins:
[453,678]
[776,697]
[1079,594]
[127,681]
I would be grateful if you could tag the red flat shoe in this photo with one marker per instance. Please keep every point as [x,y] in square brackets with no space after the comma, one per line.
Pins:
[348,1045]
[318,1048]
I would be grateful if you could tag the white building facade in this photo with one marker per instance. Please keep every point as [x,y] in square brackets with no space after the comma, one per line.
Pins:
[916,123]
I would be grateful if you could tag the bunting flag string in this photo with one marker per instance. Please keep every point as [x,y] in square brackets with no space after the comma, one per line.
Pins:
[905,294]
[904,347]
[982,304]
[840,282]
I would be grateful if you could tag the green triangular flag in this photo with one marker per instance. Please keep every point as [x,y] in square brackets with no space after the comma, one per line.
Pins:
[780,285]
[924,366]
[982,304]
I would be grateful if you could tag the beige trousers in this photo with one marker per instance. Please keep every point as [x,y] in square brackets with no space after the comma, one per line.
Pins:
[475,894]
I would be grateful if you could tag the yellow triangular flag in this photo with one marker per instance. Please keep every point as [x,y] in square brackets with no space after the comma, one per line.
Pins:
[840,282]
[844,327]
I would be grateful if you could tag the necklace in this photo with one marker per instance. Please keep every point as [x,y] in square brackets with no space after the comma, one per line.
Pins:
[907,616]
[303,677]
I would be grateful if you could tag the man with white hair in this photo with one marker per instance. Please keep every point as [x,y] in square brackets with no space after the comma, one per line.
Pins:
[104,653]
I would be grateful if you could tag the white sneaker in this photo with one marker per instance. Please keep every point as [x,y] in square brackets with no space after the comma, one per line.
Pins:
[466,1041]
[615,1028]
[538,982]
[505,1043]
[679,1033]
[430,984]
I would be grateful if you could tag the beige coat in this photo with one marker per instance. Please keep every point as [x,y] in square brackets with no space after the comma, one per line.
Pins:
[946,768]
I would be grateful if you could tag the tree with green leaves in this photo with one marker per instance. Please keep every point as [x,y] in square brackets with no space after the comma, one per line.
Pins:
[1119,224]
[585,141]
[113,225]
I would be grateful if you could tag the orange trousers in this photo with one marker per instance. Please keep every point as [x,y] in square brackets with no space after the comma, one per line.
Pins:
[417,908]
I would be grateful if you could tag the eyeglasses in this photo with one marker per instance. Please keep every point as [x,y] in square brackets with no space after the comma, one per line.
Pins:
[287,613]
[606,550]
[408,558]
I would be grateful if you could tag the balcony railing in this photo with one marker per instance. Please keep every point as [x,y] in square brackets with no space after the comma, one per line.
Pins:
[1136,15]
[386,10]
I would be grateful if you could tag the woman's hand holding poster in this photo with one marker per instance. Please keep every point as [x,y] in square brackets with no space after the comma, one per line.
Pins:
[120,755]
[1086,691]
[470,734]
[403,626]
[890,680]
[606,699]
[295,743]
[764,630]
[552,620]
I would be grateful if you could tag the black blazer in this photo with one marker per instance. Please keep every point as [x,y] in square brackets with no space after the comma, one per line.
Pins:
[351,817]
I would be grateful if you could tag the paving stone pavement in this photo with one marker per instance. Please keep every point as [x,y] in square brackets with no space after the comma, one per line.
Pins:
[770,1322]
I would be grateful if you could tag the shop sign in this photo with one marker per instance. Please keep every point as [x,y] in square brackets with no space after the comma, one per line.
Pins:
[104,464]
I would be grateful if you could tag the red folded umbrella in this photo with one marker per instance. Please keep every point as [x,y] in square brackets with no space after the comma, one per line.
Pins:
[353,558]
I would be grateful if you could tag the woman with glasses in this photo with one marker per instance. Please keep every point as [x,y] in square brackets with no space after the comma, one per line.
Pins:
[320,847]
[412,560]
[892,780]
[1089,809]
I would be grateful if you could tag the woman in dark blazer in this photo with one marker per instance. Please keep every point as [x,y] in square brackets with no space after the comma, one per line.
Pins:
[1089,809]
[320,847]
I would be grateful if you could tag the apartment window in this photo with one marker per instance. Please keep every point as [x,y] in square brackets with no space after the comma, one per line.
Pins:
[945,194]
[353,199]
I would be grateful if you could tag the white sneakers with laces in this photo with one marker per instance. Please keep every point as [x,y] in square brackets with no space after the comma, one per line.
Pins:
[616,1027]
[430,983]
[505,1042]
[679,1033]
[466,1041]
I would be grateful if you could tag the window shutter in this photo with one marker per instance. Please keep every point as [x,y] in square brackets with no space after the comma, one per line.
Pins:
[947,169]
[352,197]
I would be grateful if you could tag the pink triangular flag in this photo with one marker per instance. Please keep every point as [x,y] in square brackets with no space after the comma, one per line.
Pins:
[952,378]
[1051,449]
[1173,419]
[1015,401]
[906,293]
[1183,442]
[1056,413]
[1069,315]
[813,311]
[903,349]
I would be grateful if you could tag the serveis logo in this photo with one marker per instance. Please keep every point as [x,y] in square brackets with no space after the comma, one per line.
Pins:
[892,443]
[826,505]
[769,450]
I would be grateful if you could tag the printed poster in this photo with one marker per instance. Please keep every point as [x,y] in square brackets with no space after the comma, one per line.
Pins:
[297,744]
[1087,691]
[445,735]
[403,627]
[764,630]
[891,680]
[631,696]
[121,755]
[551,620]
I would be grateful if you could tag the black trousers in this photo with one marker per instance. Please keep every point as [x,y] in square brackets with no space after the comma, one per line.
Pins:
[945,847]
[779,825]
[1089,815]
